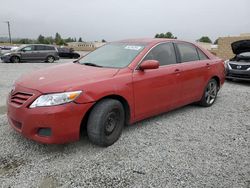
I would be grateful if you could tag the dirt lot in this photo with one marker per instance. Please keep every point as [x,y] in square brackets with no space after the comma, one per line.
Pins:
[189,147]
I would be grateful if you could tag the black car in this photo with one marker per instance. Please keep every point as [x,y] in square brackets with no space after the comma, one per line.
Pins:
[67,53]
[238,68]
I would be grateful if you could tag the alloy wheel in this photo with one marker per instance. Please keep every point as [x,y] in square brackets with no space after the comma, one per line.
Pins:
[211,92]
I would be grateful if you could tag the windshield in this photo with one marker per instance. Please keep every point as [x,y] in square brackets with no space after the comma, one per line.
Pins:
[115,55]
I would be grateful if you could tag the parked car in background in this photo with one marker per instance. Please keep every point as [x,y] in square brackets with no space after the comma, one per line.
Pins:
[67,53]
[6,49]
[117,84]
[31,52]
[238,68]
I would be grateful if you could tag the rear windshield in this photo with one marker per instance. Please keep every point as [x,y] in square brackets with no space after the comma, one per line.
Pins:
[114,55]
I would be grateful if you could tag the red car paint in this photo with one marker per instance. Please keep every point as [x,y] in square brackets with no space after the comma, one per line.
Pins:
[147,93]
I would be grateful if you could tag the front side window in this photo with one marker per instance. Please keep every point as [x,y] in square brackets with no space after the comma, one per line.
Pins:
[164,53]
[188,52]
[114,55]
[28,48]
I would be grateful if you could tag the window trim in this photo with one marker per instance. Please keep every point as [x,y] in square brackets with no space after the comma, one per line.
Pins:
[138,64]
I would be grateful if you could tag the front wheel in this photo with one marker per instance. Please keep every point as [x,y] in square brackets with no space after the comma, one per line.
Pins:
[15,59]
[105,123]
[210,94]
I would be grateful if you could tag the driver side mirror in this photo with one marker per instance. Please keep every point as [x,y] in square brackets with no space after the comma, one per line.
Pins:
[149,64]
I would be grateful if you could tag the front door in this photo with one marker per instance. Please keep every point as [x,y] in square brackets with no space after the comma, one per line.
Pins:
[27,53]
[157,90]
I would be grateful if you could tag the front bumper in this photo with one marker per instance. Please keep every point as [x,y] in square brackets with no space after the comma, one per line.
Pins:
[5,59]
[238,74]
[64,121]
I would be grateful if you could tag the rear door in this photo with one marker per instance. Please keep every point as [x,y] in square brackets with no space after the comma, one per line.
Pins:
[194,65]
[157,90]
[39,52]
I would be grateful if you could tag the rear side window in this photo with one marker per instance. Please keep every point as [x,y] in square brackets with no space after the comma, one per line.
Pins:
[39,48]
[201,54]
[49,48]
[188,52]
[164,53]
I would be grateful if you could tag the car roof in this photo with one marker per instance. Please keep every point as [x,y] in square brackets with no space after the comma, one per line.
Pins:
[146,41]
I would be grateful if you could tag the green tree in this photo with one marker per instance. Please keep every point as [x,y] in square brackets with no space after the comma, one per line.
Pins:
[80,39]
[103,40]
[166,35]
[205,39]
[59,40]
[170,35]
[41,39]
[49,40]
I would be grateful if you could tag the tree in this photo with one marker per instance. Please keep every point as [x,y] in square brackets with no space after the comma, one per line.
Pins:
[103,40]
[59,40]
[49,40]
[205,39]
[80,39]
[41,39]
[168,35]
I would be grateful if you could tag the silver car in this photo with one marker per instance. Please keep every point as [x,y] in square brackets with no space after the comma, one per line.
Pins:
[32,52]
[238,68]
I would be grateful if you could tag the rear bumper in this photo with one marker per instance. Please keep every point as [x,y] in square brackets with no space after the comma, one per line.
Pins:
[57,57]
[238,74]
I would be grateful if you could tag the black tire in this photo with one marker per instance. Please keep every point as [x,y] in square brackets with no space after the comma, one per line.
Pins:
[15,59]
[105,123]
[210,94]
[50,59]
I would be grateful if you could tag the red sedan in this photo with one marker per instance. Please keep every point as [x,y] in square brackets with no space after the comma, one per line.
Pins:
[117,84]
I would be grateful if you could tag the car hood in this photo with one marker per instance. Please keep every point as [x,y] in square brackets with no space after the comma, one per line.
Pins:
[64,77]
[241,46]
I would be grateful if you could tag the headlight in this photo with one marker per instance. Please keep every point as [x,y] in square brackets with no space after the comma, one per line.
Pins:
[55,99]
[6,54]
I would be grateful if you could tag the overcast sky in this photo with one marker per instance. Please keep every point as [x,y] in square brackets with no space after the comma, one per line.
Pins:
[120,19]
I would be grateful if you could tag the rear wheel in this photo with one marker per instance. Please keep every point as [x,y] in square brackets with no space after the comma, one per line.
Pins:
[15,59]
[106,122]
[210,93]
[50,59]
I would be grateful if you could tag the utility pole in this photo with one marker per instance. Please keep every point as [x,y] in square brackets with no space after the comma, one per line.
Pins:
[8,23]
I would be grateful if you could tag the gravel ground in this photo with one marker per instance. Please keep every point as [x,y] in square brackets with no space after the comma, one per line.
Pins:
[189,147]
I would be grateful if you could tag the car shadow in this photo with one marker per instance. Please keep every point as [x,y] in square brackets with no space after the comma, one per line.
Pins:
[239,82]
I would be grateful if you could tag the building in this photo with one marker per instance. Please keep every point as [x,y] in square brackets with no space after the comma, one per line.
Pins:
[224,49]
[84,46]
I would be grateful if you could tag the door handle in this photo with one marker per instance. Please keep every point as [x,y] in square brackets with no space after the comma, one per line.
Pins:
[177,70]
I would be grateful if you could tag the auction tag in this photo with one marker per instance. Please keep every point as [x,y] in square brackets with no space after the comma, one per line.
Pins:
[133,47]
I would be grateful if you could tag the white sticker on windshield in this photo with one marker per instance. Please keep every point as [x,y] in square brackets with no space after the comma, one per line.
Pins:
[133,47]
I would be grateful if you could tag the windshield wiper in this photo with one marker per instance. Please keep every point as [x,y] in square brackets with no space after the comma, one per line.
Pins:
[91,64]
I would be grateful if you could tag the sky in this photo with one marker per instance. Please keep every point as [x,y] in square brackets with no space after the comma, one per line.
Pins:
[121,19]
